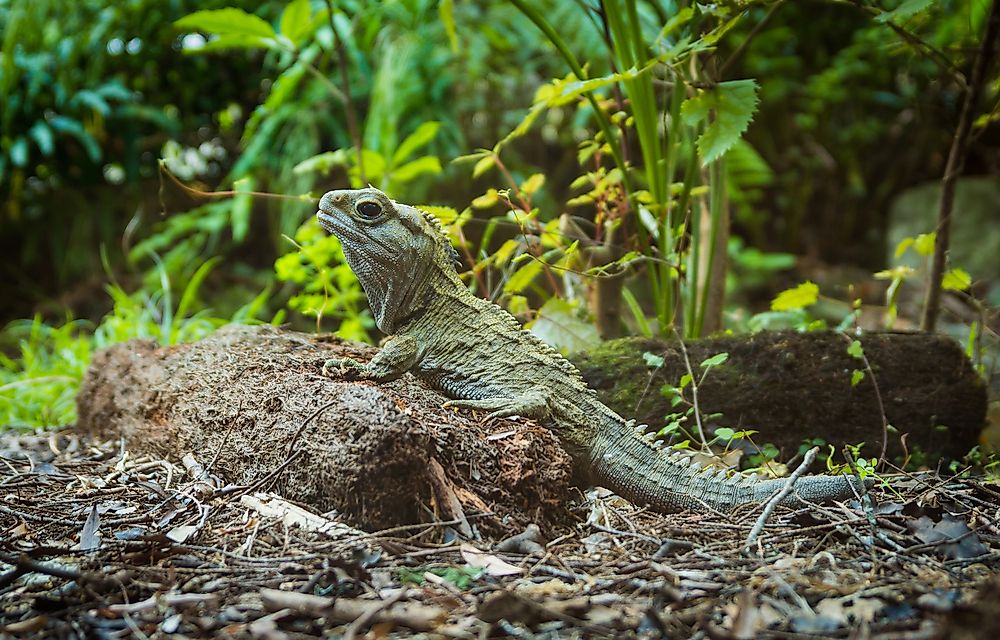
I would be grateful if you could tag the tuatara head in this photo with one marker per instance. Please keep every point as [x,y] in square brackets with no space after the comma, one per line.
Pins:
[392,248]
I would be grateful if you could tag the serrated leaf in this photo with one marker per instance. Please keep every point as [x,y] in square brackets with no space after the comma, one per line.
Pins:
[715,360]
[798,297]
[727,110]
[956,280]
[904,10]
[295,21]
[228,21]
[416,140]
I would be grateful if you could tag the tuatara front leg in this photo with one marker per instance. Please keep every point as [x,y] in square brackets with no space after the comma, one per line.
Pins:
[397,356]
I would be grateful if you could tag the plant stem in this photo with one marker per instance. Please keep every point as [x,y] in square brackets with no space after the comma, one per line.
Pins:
[352,118]
[956,160]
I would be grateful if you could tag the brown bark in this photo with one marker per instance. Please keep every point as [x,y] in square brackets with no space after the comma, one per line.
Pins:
[251,402]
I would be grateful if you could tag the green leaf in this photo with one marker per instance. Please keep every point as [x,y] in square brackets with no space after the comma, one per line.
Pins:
[558,323]
[416,140]
[924,244]
[956,280]
[903,245]
[533,183]
[242,206]
[904,10]
[410,170]
[484,165]
[93,100]
[43,137]
[321,163]
[19,152]
[295,22]
[798,297]
[487,200]
[232,41]
[652,360]
[523,276]
[684,381]
[637,314]
[855,351]
[228,21]
[856,377]
[727,109]
[75,129]
[715,360]
[725,433]
[446,11]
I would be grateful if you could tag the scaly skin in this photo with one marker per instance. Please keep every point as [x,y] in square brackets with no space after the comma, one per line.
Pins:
[477,354]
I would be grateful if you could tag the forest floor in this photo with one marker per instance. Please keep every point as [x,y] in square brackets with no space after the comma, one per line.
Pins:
[95,543]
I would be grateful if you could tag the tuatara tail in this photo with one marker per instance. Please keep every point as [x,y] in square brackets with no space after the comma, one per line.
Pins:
[632,466]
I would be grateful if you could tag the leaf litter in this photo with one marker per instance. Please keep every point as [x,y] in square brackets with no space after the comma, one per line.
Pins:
[98,543]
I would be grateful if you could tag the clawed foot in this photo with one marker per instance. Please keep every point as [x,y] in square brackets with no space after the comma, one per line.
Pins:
[343,368]
[528,407]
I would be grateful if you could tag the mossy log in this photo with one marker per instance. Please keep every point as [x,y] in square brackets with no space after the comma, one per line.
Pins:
[792,387]
[250,402]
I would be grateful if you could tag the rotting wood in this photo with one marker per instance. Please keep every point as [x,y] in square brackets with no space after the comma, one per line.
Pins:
[253,400]
[791,387]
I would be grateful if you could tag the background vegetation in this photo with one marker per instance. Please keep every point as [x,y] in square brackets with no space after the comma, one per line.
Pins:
[605,168]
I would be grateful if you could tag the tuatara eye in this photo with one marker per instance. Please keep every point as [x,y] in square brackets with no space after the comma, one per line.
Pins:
[370,210]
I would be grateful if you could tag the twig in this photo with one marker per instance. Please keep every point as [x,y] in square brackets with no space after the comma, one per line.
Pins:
[956,161]
[735,55]
[758,526]
[878,398]
[694,390]
[298,432]
[369,614]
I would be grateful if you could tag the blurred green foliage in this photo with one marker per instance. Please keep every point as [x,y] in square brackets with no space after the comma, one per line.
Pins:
[593,140]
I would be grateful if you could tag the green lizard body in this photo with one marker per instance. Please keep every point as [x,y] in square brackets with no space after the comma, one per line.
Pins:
[479,356]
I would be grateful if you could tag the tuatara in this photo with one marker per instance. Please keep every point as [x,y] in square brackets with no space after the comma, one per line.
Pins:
[479,356]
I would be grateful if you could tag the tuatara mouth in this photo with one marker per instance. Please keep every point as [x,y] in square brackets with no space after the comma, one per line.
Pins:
[326,219]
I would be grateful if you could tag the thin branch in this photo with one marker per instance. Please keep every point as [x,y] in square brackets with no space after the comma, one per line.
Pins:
[740,50]
[956,161]
[758,526]
[352,118]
